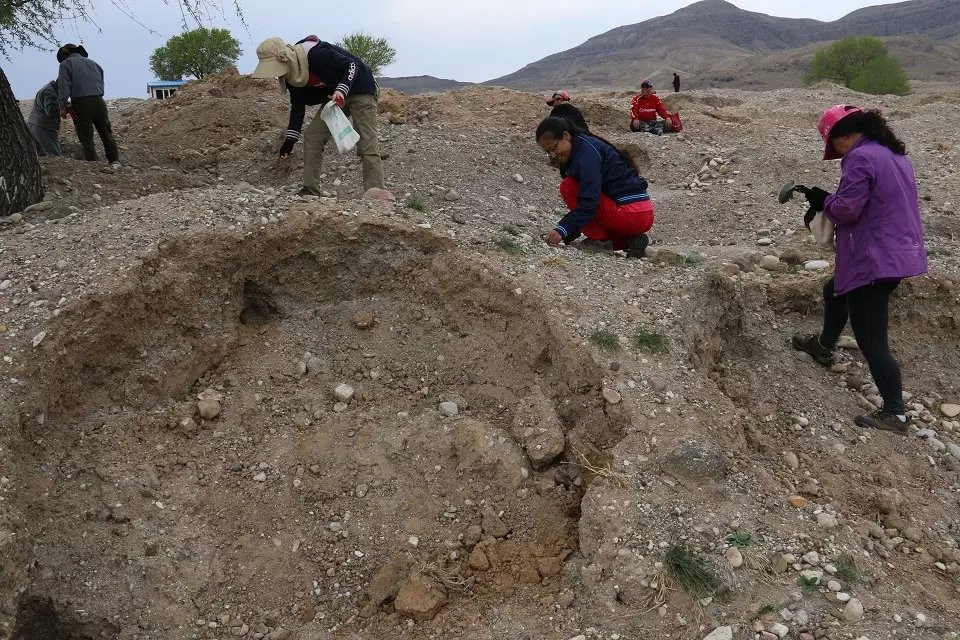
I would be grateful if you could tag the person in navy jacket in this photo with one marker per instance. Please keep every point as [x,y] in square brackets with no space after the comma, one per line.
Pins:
[601,186]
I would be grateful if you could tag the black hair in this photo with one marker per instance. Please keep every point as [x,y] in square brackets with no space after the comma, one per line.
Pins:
[871,125]
[571,113]
[556,127]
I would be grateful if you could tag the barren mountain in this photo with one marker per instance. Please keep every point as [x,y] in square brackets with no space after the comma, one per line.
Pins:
[713,42]
[414,85]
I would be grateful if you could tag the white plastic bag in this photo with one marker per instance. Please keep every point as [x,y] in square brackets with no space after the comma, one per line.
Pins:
[344,135]
[822,229]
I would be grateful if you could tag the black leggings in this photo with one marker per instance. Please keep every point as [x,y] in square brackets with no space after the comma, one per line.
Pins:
[868,310]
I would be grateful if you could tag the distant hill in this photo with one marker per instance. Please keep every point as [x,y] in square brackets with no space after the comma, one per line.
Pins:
[412,85]
[714,42]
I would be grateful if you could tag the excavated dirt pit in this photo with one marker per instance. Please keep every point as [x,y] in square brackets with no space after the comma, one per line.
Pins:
[293,509]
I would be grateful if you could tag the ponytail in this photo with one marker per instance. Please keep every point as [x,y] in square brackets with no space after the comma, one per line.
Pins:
[872,126]
[556,127]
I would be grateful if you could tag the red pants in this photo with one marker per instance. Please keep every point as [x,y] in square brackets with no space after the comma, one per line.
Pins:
[613,221]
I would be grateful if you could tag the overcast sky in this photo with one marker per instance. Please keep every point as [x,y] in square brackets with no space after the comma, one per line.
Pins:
[469,40]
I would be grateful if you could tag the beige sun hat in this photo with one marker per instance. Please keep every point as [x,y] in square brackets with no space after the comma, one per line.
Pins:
[274,56]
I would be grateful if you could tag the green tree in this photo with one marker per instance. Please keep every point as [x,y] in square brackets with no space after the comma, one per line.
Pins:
[375,52]
[861,61]
[195,53]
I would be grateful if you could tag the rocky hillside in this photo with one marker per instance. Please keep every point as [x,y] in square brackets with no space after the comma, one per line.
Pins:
[415,85]
[714,42]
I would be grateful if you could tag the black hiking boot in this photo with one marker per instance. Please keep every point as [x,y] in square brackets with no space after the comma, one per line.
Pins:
[305,192]
[811,344]
[637,246]
[883,420]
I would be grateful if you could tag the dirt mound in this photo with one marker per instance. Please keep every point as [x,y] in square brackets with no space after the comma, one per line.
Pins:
[286,436]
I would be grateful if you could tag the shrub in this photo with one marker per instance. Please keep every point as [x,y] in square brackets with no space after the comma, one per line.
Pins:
[859,63]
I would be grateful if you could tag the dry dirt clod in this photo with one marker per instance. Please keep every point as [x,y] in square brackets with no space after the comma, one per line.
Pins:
[492,524]
[420,598]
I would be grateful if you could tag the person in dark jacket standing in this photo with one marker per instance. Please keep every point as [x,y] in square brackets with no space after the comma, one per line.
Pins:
[879,240]
[315,72]
[601,186]
[676,82]
[80,86]
[44,120]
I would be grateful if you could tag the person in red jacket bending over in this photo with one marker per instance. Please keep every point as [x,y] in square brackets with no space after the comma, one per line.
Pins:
[645,108]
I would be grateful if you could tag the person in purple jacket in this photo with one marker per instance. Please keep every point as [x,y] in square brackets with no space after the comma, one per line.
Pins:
[879,241]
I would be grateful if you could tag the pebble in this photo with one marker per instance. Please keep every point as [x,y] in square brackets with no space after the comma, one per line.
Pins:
[451,195]
[720,633]
[853,611]
[827,521]
[798,502]
[612,396]
[846,342]
[43,205]
[518,178]
[343,392]
[765,242]
[260,477]
[791,460]
[208,408]
[954,450]
[816,265]
[448,408]
[734,557]
[950,410]
[780,630]
[834,586]
[812,558]
[770,263]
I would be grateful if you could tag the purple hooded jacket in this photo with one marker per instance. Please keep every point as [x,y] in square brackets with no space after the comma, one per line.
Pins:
[879,235]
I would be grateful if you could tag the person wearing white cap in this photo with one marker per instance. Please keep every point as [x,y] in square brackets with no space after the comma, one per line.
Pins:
[315,72]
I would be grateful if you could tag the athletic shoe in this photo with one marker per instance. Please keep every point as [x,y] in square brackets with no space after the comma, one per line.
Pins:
[884,421]
[637,246]
[811,344]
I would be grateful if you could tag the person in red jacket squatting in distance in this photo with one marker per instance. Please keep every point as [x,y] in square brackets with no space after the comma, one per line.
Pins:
[601,186]
[644,109]
[879,240]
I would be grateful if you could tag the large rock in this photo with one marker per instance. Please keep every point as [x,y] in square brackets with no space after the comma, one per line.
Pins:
[695,461]
[488,454]
[536,423]
[420,598]
[386,583]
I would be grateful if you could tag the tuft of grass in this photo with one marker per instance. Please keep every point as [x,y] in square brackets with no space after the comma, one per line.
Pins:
[651,341]
[416,204]
[692,259]
[719,282]
[739,539]
[766,610]
[808,585]
[509,246]
[847,569]
[605,339]
[511,229]
[690,571]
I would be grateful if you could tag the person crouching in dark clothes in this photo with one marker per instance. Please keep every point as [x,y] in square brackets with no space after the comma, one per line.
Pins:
[560,101]
[601,186]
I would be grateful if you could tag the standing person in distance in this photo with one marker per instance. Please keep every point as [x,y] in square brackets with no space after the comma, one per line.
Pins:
[44,120]
[879,241]
[676,82]
[601,186]
[315,72]
[80,87]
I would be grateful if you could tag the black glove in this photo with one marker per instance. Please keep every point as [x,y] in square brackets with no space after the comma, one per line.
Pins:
[816,197]
[286,147]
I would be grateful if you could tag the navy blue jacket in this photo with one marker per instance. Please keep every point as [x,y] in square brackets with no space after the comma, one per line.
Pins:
[599,169]
[331,68]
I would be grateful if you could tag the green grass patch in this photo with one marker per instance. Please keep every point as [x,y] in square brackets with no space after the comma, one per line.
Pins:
[510,246]
[651,341]
[847,569]
[416,204]
[808,585]
[690,571]
[739,539]
[692,259]
[605,339]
